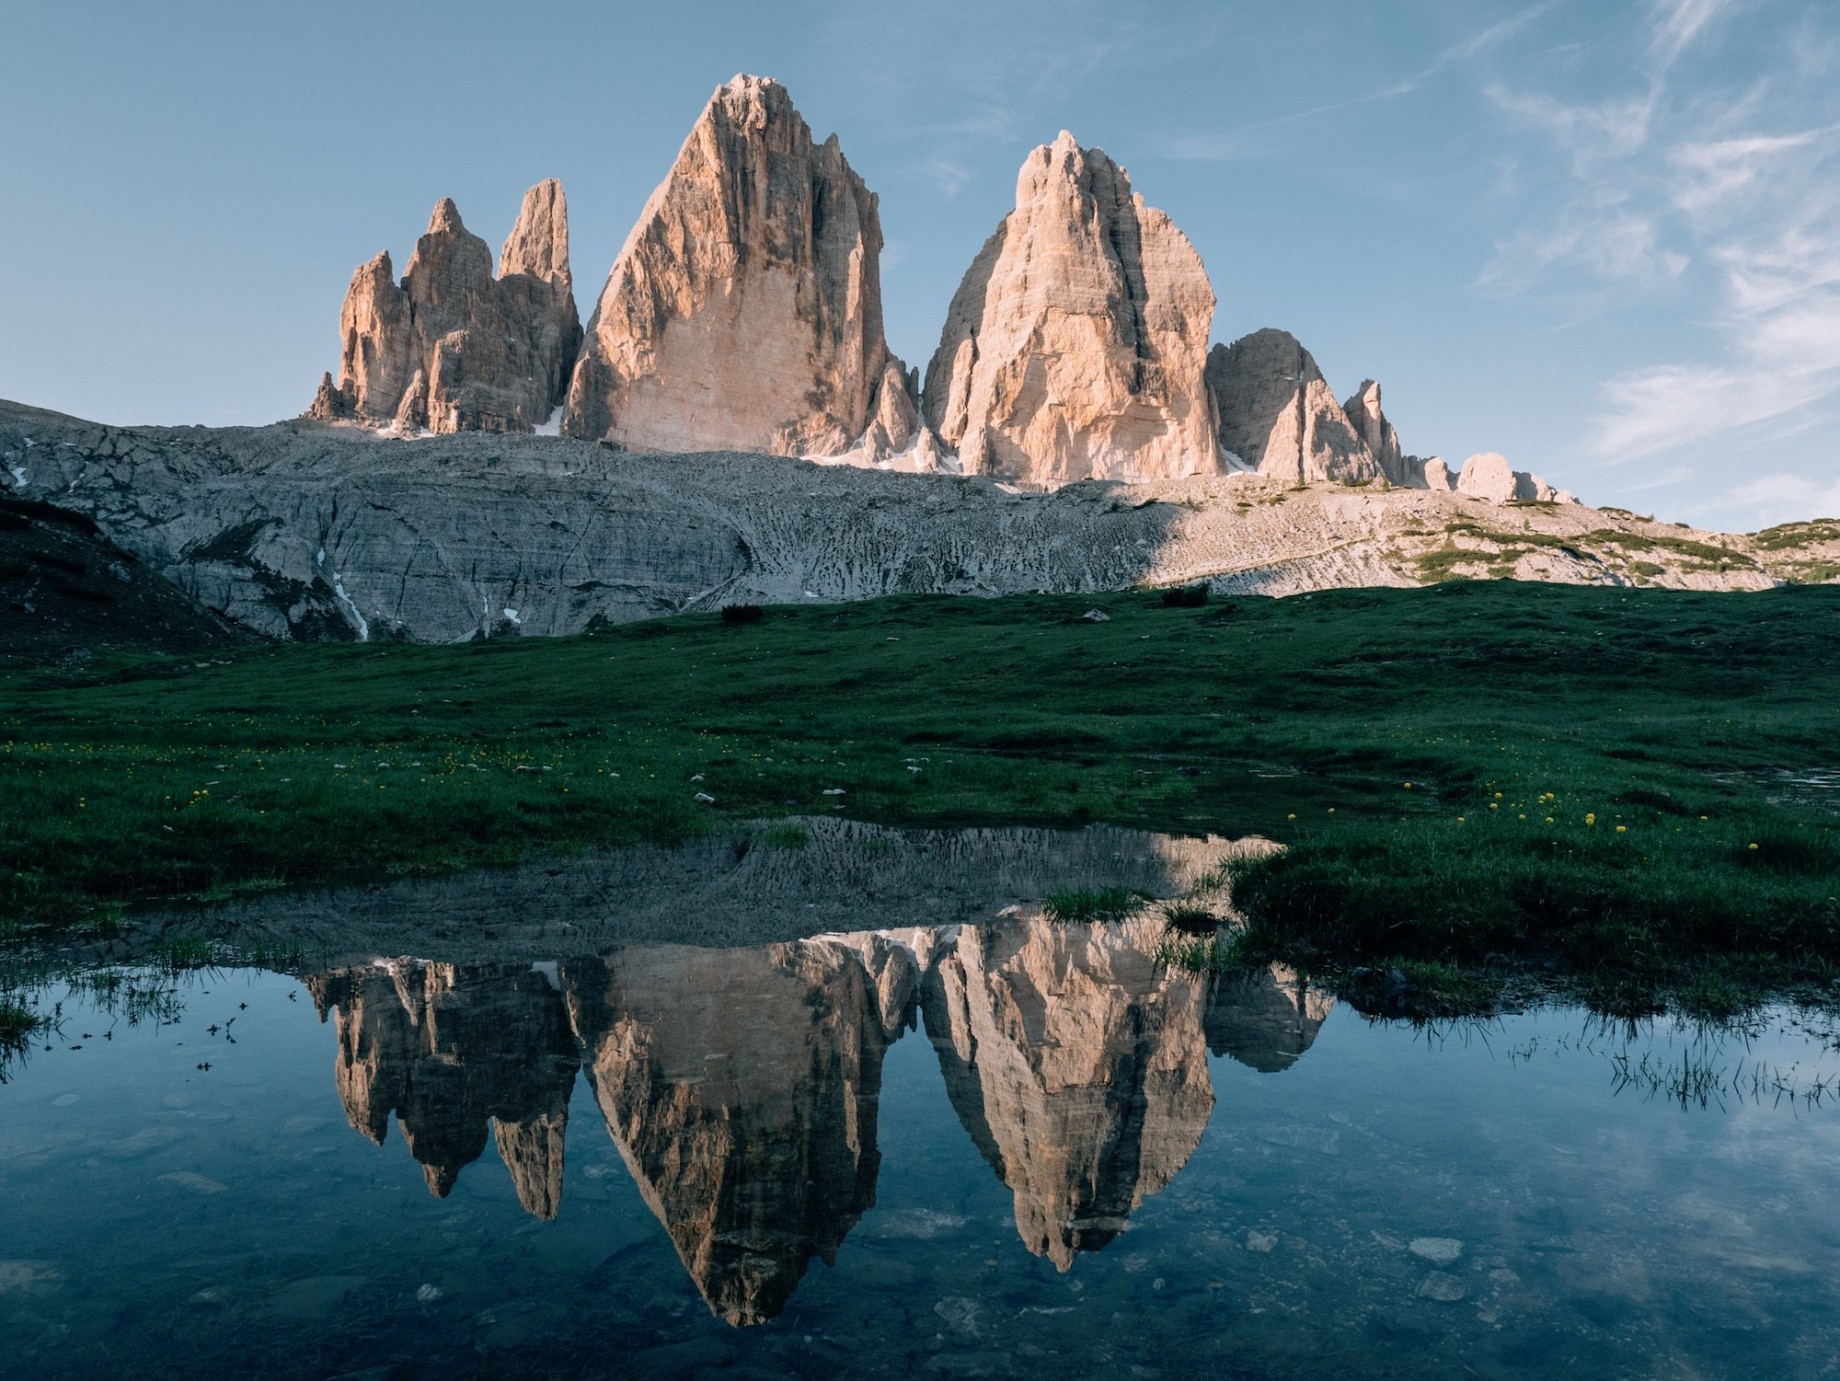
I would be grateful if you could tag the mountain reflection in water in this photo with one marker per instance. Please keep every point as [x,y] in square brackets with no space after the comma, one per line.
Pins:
[741,1086]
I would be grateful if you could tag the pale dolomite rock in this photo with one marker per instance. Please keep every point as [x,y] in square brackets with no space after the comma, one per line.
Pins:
[1489,476]
[454,349]
[1075,346]
[1437,476]
[1377,434]
[745,312]
[314,532]
[1278,415]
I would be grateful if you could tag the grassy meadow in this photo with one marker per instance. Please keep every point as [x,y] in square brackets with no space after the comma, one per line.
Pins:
[1607,782]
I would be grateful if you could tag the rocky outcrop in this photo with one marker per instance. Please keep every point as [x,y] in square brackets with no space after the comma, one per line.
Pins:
[1074,347]
[323,533]
[447,1048]
[1278,416]
[744,312]
[1489,476]
[1078,1065]
[741,1087]
[453,348]
[1377,434]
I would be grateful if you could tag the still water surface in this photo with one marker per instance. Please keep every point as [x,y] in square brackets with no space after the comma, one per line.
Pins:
[975,1150]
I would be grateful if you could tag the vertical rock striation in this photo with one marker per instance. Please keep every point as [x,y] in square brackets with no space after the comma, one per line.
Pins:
[1278,415]
[445,1048]
[742,1088]
[1376,433]
[1078,1065]
[1075,346]
[453,348]
[744,312]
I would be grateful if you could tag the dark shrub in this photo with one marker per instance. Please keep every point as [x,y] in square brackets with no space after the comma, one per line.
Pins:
[1186,597]
[741,613]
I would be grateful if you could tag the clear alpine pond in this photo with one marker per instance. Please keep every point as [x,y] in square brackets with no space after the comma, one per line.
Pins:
[974,1149]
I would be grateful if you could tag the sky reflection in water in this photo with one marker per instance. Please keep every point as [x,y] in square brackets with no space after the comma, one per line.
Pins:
[957,1150]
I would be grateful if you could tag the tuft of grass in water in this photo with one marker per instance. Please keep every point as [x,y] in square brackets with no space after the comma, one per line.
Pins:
[1191,918]
[17,1023]
[1206,954]
[785,836]
[1418,990]
[1093,904]
[179,954]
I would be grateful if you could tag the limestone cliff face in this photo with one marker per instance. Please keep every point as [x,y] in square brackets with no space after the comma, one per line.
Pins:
[745,312]
[1278,415]
[447,1048]
[1075,346]
[452,348]
[1376,433]
[318,533]
[741,1087]
[1078,1065]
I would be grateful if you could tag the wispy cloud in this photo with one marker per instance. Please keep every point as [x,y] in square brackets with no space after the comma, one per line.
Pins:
[1781,497]
[1728,185]
[1244,141]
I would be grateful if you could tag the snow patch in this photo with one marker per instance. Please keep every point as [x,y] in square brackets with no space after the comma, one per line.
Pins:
[514,616]
[549,969]
[20,480]
[338,588]
[551,425]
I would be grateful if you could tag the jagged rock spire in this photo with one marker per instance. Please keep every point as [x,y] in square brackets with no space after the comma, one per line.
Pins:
[745,310]
[1075,346]
[453,348]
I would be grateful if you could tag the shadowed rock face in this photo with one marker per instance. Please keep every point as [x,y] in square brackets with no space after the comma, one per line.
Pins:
[1279,416]
[745,312]
[1078,1065]
[1377,434]
[445,1048]
[454,349]
[741,1087]
[1075,346]
[1265,1021]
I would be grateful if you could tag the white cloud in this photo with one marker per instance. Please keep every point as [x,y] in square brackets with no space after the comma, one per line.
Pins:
[1730,193]
[1783,497]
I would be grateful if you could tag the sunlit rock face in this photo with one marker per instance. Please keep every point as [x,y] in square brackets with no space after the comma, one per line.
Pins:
[447,1049]
[1279,416]
[1264,1020]
[453,348]
[742,1088]
[1075,346]
[745,311]
[1078,1065]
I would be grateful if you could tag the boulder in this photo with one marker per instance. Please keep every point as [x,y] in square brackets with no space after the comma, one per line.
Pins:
[1489,476]
[1076,344]
[1278,415]
[452,348]
[745,312]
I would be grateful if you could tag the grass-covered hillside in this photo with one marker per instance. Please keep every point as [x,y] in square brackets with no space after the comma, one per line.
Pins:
[1464,771]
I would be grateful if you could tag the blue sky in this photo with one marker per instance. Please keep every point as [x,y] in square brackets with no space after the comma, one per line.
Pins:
[1599,236]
